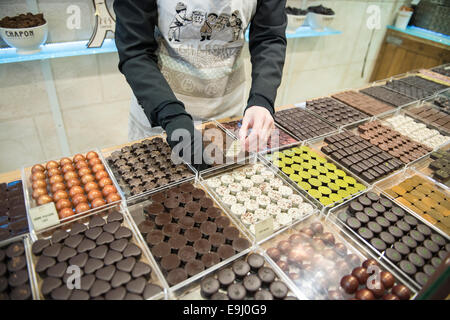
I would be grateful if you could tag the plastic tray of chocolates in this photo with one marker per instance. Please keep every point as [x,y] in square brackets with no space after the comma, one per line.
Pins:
[254,193]
[222,147]
[420,82]
[358,155]
[15,274]
[145,166]
[433,112]
[77,186]
[422,195]
[363,103]
[434,76]
[336,112]
[414,129]
[319,177]
[249,277]
[436,166]
[187,231]
[393,142]
[13,212]
[411,246]
[97,257]
[303,124]
[409,90]
[278,138]
[388,96]
[316,256]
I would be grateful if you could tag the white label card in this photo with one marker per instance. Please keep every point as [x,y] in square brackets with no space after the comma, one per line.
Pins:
[44,216]
[263,229]
[301,105]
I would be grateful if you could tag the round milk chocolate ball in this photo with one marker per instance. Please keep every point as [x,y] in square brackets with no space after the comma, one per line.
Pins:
[361,274]
[387,279]
[370,262]
[328,238]
[274,254]
[401,291]
[284,246]
[350,284]
[364,294]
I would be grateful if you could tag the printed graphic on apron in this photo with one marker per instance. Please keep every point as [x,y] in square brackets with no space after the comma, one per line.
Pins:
[209,23]
[206,29]
[236,25]
[180,20]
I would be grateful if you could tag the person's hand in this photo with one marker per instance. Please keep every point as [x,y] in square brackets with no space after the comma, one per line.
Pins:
[261,123]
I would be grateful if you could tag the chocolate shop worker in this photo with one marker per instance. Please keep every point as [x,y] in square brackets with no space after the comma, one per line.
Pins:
[198,76]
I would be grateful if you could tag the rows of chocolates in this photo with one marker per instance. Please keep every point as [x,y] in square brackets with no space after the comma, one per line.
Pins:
[420,82]
[360,156]
[334,111]
[249,278]
[110,262]
[434,76]
[431,116]
[321,179]
[411,245]
[187,233]
[302,124]
[146,165]
[408,90]
[312,258]
[440,166]
[75,185]
[13,214]
[424,198]
[417,131]
[278,137]
[391,141]
[363,102]
[14,278]
[388,96]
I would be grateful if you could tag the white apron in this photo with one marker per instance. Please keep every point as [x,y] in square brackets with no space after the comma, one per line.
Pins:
[200,45]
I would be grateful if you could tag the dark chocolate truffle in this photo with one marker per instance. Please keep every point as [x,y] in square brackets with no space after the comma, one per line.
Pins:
[236,291]
[209,286]
[278,289]
[226,277]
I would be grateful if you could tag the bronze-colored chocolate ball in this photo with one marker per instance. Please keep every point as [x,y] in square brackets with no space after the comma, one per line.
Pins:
[364,294]
[328,238]
[387,279]
[361,274]
[274,254]
[317,227]
[401,291]
[350,284]
[284,246]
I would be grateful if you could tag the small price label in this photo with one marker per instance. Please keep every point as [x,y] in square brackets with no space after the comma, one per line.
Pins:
[264,229]
[301,105]
[44,216]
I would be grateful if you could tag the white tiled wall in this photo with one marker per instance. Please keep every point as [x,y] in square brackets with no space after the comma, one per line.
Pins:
[94,96]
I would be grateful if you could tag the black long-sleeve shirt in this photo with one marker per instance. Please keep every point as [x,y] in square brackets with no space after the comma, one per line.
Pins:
[136,21]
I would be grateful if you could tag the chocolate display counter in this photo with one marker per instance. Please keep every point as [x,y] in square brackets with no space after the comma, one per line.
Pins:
[349,185]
